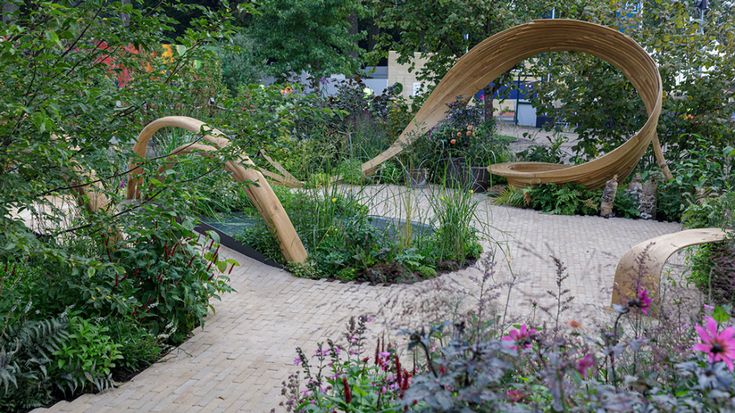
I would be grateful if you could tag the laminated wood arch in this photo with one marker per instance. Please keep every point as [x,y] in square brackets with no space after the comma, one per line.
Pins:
[642,265]
[261,194]
[500,52]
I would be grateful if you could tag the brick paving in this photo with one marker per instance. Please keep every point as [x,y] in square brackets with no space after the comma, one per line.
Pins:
[237,361]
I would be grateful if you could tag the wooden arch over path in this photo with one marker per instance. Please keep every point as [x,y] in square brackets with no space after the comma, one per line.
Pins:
[261,194]
[500,52]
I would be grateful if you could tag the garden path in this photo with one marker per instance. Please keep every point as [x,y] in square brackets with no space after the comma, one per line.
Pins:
[236,363]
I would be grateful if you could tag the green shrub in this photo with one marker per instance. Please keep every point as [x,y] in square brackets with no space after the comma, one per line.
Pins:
[713,271]
[138,347]
[551,153]
[567,199]
[713,265]
[671,200]
[714,211]
[239,65]
[390,172]
[170,280]
[86,358]
[625,206]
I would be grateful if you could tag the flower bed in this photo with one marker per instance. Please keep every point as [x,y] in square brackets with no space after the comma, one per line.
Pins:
[479,363]
[346,243]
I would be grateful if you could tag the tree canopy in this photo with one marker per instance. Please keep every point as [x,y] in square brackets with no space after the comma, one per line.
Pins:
[317,37]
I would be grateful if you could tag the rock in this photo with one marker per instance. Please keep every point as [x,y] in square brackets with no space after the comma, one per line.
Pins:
[647,205]
[608,197]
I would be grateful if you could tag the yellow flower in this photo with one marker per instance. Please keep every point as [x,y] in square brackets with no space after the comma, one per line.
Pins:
[334,200]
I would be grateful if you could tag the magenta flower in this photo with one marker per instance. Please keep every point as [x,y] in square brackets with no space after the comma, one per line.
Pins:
[585,363]
[644,300]
[521,337]
[297,361]
[718,346]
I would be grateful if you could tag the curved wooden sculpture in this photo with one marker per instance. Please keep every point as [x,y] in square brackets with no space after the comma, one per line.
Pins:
[285,179]
[500,52]
[261,194]
[641,266]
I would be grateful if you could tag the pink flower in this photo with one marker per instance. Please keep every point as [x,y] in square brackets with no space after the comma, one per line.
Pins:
[718,346]
[522,338]
[644,301]
[297,361]
[585,363]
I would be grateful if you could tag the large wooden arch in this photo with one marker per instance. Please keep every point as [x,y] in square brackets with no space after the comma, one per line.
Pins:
[244,170]
[641,266]
[500,52]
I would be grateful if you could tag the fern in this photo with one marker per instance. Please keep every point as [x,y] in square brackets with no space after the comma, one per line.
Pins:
[26,350]
[567,200]
[512,196]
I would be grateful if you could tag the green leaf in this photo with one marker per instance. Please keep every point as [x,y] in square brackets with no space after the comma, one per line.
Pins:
[720,314]
[51,35]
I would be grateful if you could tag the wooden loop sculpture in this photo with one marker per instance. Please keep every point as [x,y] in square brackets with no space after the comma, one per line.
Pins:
[641,266]
[259,191]
[500,52]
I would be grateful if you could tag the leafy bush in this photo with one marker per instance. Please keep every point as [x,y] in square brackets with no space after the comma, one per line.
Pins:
[462,140]
[138,346]
[163,270]
[87,357]
[513,196]
[713,271]
[79,84]
[239,65]
[624,205]
[350,172]
[671,201]
[567,199]
[551,153]
[713,265]
[704,170]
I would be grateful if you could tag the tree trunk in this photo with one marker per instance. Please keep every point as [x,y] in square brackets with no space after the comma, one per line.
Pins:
[354,30]
[489,92]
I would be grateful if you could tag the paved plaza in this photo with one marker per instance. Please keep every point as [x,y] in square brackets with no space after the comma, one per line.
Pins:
[237,361]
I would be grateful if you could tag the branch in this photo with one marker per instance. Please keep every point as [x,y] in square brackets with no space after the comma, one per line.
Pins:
[76,186]
[81,34]
[134,207]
